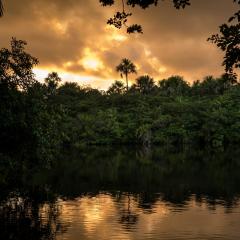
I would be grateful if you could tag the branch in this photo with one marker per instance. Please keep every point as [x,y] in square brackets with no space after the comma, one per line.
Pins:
[1,8]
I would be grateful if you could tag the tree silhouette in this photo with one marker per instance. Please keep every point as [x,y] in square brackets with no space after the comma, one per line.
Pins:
[126,67]
[228,40]
[1,8]
[120,18]
[116,88]
[52,81]
[211,86]
[16,65]
[144,84]
[174,86]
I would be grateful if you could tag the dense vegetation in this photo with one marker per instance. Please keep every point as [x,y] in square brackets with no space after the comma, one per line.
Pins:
[29,120]
[38,119]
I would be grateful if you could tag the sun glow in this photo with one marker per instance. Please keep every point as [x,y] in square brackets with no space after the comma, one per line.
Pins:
[115,35]
[91,63]
[119,37]
[90,60]
[67,64]
[81,79]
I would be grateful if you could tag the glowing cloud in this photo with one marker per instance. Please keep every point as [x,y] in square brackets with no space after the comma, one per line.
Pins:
[90,60]
[81,79]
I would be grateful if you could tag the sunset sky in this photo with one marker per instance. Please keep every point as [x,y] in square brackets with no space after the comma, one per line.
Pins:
[72,38]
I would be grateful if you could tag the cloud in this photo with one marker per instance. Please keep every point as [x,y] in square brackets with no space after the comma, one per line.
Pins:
[58,32]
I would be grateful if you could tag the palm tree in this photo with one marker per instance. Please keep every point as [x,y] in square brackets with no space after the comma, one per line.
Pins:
[174,86]
[126,67]
[1,8]
[145,84]
[116,88]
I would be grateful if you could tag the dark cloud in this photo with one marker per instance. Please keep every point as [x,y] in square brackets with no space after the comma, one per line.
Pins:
[179,37]
[63,33]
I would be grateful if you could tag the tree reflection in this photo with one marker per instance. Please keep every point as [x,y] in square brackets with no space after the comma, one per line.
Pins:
[173,173]
[128,216]
[27,218]
[136,179]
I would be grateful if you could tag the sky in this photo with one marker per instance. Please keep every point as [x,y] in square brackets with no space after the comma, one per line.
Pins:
[72,38]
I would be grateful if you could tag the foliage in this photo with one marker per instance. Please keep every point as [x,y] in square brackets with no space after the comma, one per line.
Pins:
[125,68]
[229,42]
[172,112]
[144,84]
[16,66]
[116,88]
[174,86]
[38,119]
[29,121]
[120,19]
[52,81]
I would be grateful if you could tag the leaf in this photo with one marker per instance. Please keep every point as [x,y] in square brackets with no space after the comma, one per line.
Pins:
[135,28]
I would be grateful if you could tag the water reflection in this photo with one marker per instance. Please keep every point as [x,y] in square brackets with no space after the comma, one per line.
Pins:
[109,193]
[25,219]
[166,221]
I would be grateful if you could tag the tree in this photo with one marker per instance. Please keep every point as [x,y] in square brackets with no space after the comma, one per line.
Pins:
[144,84]
[125,68]
[229,41]
[116,88]
[69,88]
[226,82]
[207,87]
[174,86]
[120,18]
[29,122]
[16,66]
[211,86]
[52,81]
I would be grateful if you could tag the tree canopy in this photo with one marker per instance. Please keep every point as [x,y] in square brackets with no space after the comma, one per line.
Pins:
[16,65]
[39,120]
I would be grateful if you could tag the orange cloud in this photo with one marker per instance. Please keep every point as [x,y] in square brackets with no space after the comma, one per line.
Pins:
[72,37]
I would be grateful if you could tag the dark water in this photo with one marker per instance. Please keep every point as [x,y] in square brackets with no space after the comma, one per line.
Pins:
[124,193]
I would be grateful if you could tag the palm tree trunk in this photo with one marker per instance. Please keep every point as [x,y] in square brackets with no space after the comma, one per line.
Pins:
[127,80]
